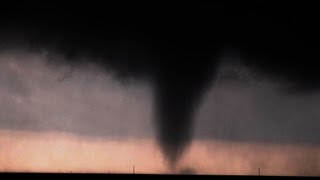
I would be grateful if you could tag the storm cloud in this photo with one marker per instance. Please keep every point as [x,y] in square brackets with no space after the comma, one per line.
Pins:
[177,58]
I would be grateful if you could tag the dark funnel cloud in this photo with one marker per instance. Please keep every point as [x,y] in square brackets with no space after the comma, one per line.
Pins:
[178,93]
[175,47]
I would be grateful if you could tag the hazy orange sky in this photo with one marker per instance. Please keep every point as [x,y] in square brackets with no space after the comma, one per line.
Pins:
[63,152]
[52,120]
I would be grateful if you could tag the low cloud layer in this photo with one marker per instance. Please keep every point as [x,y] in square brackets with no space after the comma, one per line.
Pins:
[247,107]
[240,106]
[38,96]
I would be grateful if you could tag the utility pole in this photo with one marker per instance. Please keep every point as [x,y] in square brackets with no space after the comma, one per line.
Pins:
[133,170]
[259,171]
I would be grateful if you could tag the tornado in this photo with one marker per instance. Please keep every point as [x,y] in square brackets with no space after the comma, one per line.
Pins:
[179,87]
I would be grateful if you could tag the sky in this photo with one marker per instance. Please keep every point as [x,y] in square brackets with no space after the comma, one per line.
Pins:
[57,118]
[207,88]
